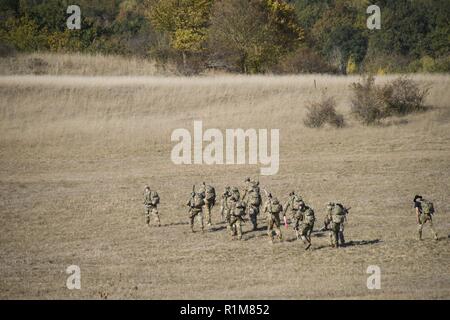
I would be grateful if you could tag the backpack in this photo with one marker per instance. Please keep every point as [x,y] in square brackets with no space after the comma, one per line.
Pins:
[309,216]
[427,206]
[254,198]
[338,213]
[296,203]
[275,207]
[239,210]
[210,193]
[155,198]
[198,201]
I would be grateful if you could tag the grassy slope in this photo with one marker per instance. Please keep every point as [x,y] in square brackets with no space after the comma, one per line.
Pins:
[76,152]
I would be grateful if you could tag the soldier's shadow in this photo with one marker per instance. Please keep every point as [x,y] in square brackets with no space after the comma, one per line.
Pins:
[352,243]
[361,242]
[175,224]
[264,228]
[215,229]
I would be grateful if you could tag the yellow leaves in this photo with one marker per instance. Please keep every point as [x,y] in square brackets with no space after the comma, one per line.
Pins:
[184,20]
[188,40]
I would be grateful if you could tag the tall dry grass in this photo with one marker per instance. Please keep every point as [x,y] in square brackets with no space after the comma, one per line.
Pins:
[75,152]
[76,64]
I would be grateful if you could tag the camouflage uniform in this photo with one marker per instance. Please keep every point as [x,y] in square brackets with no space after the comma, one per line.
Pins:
[210,201]
[253,200]
[151,200]
[424,216]
[231,203]
[336,215]
[294,202]
[195,211]
[236,219]
[223,203]
[273,209]
[306,225]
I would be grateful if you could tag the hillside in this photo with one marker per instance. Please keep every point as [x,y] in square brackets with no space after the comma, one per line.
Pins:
[76,152]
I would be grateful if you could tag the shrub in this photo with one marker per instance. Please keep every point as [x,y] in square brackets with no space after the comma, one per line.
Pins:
[366,104]
[371,103]
[403,96]
[320,113]
[303,60]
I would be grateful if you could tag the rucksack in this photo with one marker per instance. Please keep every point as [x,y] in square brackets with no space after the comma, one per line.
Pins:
[275,207]
[210,192]
[338,209]
[338,213]
[427,206]
[239,210]
[155,198]
[254,199]
[309,215]
[296,203]
[198,201]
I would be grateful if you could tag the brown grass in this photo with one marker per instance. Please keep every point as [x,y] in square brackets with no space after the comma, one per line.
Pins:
[75,153]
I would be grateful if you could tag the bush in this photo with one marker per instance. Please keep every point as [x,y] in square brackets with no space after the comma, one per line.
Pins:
[303,60]
[366,104]
[403,96]
[371,103]
[323,112]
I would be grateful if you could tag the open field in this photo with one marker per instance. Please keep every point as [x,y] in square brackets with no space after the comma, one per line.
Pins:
[75,153]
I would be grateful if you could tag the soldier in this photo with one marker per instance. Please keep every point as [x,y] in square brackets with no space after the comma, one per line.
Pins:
[294,202]
[195,204]
[306,224]
[424,213]
[297,217]
[223,202]
[231,203]
[253,205]
[273,209]
[249,187]
[151,201]
[209,196]
[236,219]
[336,215]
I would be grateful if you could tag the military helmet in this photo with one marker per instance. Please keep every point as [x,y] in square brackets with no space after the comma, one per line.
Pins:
[247,179]
[292,193]
[275,201]
[235,189]
[146,187]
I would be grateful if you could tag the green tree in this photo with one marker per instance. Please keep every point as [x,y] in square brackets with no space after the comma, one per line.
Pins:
[252,35]
[185,21]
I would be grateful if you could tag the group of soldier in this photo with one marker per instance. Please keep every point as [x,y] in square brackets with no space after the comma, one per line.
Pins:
[236,205]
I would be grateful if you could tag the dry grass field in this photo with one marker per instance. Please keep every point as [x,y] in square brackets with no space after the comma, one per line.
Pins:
[76,152]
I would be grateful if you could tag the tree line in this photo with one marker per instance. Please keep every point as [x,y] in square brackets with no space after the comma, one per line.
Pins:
[244,36]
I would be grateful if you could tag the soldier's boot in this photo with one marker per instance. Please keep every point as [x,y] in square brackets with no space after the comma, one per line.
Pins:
[341,238]
[306,242]
[435,236]
[279,236]
[420,235]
